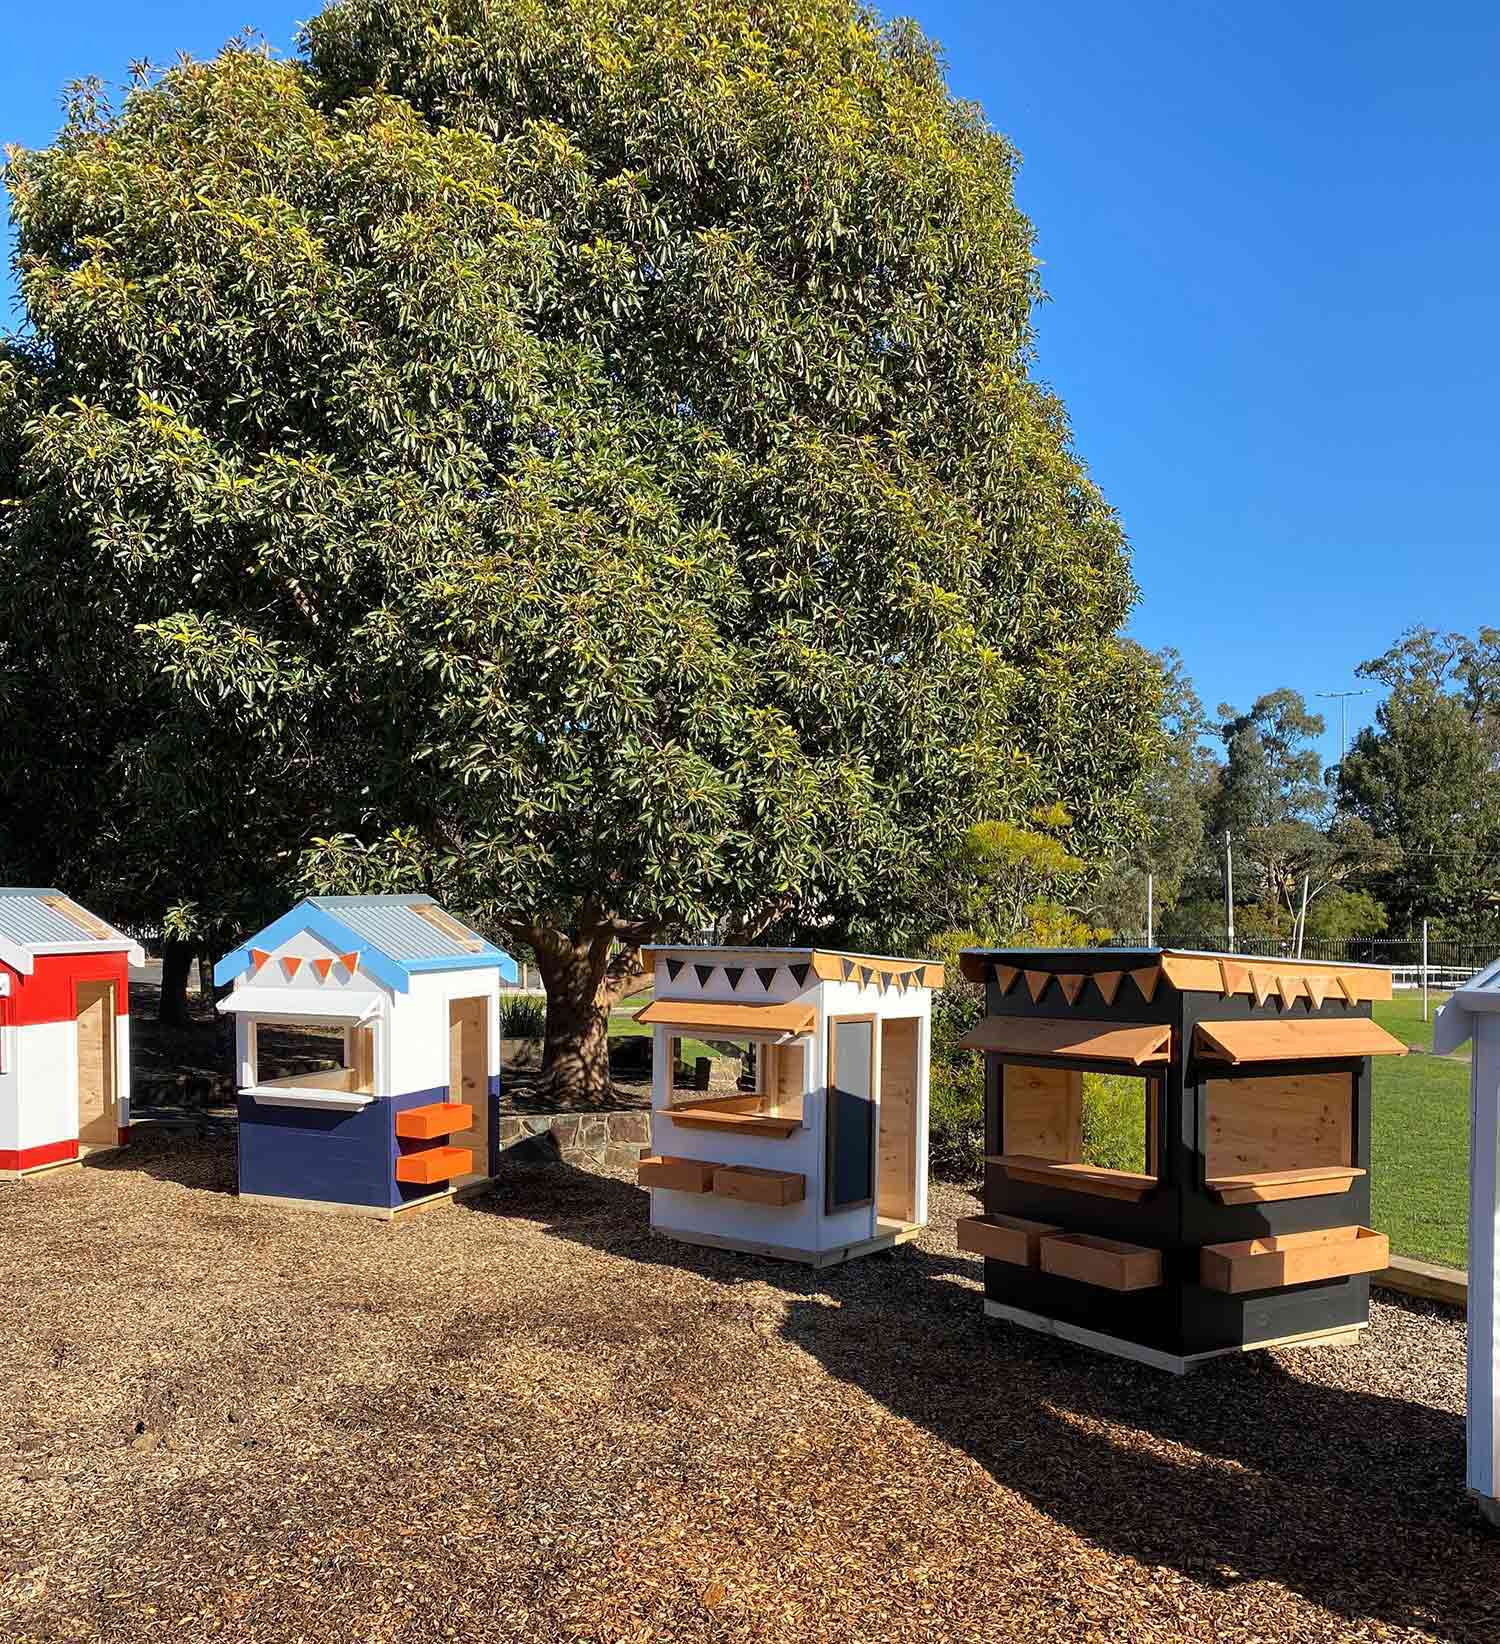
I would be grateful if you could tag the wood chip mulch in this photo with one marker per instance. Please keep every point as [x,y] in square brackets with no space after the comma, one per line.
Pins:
[527,1419]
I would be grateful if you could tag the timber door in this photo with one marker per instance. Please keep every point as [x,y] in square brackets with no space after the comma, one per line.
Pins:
[469,1079]
[98,1120]
[897,1200]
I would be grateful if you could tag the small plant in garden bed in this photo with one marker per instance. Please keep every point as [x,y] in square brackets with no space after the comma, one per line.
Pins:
[522,1017]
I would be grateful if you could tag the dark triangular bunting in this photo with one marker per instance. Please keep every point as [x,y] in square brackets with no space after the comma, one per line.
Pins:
[767,974]
[673,966]
[704,972]
[848,969]
[734,972]
[800,974]
[864,976]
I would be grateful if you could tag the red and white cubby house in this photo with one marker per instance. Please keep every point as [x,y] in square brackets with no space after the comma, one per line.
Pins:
[64,1032]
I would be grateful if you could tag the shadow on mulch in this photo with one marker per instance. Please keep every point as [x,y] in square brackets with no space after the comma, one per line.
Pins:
[198,1151]
[1240,1472]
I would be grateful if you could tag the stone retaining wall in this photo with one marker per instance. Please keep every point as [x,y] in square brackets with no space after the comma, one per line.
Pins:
[583,1138]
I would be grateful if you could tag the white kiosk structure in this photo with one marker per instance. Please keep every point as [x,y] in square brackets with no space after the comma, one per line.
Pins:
[789,1100]
[1474,1013]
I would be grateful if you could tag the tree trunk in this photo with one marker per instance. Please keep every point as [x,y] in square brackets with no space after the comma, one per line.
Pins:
[176,967]
[582,983]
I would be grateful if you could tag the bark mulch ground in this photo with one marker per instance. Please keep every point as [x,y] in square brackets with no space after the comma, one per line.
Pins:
[527,1419]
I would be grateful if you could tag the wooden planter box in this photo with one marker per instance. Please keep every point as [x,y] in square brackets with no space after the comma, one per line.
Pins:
[1293,1258]
[1108,1263]
[681,1175]
[1268,1187]
[756,1186]
[1004,1238]
[423,1124]
[434,1164]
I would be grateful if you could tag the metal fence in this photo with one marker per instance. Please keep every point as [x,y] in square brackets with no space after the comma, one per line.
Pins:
[1448,961]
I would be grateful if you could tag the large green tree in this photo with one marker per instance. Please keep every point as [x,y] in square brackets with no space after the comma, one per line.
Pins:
[583,460]
[1426,775]
[1274,804]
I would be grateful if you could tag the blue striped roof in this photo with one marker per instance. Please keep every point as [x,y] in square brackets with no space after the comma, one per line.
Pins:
[392,937]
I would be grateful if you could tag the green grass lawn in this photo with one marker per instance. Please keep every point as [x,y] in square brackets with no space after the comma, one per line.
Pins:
[1420,1142]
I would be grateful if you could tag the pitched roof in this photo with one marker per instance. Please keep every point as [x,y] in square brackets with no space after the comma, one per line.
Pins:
[1455,1021]
[396,937]
[37,920]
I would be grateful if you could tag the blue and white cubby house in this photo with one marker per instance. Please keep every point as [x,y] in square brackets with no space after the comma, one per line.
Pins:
[368,1047]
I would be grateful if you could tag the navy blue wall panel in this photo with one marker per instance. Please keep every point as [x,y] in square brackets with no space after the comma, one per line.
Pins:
[315,1153]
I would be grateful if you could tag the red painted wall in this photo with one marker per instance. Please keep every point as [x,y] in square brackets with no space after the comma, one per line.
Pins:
[47,995]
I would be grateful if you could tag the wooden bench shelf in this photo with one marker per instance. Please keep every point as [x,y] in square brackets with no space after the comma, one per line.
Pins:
[754,1185]
[1268,1186]
[745,1124]
[434,1164]
[1108,1263]
[681,1175]
[1004,1238]
[1074,1177]
[424,1124]
[1284,1259]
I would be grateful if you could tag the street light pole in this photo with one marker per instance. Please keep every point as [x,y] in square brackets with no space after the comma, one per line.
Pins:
[1343,699]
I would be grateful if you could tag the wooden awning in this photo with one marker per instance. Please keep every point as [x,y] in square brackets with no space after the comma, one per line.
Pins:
[704,1016]
[1090,1041]
[1294,1039]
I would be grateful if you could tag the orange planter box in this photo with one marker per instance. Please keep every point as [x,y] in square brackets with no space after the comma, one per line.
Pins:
[422,1124]
[434,1164]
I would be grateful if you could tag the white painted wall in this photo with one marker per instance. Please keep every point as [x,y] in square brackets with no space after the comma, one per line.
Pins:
[10,1091]
[46,1069]
[419,1026]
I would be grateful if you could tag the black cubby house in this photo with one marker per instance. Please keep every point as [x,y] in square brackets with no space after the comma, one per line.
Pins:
[1241,1220]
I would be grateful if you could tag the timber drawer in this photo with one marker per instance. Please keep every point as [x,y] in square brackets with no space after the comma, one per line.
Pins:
[753,1185]
[1110,1264]
[1004,1238]
[1284,1259]
[682,1175]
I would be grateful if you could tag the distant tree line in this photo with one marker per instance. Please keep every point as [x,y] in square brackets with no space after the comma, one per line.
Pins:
[1406,828]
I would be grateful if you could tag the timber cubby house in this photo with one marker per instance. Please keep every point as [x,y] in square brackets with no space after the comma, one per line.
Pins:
[64,1032]
[400,1002]
[789,1100]
[1241,1220]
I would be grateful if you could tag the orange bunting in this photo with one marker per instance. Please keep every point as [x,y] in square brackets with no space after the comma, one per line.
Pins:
[1036,982]
[1108,984]
[1146,980]
[258,957]
[322,966]
[349,961]
[1071,987]
[291,963]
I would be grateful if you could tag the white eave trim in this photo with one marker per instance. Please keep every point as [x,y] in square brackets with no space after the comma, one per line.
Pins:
[304,1004]
[336,1101]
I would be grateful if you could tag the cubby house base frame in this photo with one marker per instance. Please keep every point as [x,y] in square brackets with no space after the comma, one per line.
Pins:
[888,1238]
[1176,1364]
[371,1212]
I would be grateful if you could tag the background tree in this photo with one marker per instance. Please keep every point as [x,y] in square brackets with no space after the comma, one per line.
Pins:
[579,460]
[1426,775]
[1273,803]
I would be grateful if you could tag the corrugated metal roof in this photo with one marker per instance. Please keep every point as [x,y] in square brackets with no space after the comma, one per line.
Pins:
[392,924]
[28,922]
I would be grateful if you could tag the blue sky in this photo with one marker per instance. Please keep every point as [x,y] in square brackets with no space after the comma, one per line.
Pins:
[1271,249]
